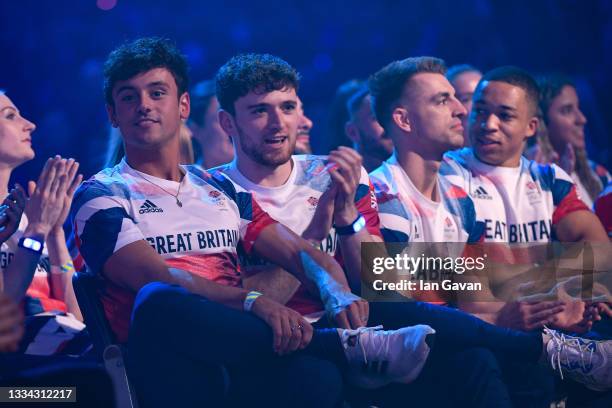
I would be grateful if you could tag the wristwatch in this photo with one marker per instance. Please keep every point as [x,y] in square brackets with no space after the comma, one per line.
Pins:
[32,244]
[353,227]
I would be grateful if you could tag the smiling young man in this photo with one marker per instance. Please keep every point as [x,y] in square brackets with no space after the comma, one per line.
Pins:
[418,108]
[163,238]
[309,194]
[517,200]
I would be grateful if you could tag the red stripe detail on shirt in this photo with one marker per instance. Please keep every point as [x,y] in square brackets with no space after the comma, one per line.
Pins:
[260,221]
[569,204]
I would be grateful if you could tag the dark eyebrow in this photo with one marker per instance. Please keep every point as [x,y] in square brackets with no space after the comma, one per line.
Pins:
[442,95]
[149,85]
[510,108]
[504,107]
[157,83]
[257,105]
[124,88]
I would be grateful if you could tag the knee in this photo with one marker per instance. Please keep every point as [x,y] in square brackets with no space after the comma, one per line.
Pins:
[154,300]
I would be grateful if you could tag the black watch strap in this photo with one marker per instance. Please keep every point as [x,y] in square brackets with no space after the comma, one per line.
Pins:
[353,227]
[32,244]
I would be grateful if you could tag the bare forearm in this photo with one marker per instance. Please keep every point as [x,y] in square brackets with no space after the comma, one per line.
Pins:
[70,298]
[274,282]
[18,275]
[327,263]
[58,257]
[57,249]
[229,296]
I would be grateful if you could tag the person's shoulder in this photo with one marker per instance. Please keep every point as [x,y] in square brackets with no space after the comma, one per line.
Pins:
[381,177]
[607,191]
[196,170]
[108,181]
[108,187]
[547,174]
[460,156]
[600,171]
[456,162]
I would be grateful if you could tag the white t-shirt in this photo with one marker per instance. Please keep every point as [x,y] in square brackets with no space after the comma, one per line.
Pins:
[406,215]
[516,205]
[294,203]
[119,206]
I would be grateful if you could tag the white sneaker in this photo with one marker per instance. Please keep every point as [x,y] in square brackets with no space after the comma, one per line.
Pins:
[586,361]
[377,358]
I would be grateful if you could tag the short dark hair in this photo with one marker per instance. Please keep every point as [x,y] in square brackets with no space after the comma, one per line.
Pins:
[551,86]
[201,96]
[518,77]
[253,72]
[387,85]
[456,70]
[142,55]
[354,102]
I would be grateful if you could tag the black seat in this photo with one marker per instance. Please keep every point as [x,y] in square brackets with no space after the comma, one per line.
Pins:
[105,347]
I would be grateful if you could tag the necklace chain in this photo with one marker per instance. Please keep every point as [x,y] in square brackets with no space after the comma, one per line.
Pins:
[178,202]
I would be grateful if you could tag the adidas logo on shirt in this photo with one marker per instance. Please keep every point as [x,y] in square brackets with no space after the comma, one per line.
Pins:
[149,207]
[481,193]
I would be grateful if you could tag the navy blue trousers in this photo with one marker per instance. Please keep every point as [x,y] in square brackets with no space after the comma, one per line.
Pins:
[183,349]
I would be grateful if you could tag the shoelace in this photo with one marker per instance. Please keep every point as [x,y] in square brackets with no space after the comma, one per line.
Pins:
[358,332]
[561,342]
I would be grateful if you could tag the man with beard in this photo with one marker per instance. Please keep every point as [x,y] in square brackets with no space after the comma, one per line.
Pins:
[419,110]
[317,194]
[369,138]
[163,240]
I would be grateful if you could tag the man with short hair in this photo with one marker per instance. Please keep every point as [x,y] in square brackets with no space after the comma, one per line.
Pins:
[163,239]
[464,79]
[517,200]
[521,202]
[310,195]
[369,138]
[418,108]
[212,146]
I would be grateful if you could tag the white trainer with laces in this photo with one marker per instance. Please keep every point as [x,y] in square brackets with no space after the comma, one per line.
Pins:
[377,357]
[586,361]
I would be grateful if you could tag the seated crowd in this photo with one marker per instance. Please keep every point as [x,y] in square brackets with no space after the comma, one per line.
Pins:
[229,257]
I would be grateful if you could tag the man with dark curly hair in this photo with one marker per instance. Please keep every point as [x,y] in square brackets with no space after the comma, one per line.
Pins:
[163,238]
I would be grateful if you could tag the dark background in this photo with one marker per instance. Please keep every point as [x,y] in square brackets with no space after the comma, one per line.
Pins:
[52,52]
